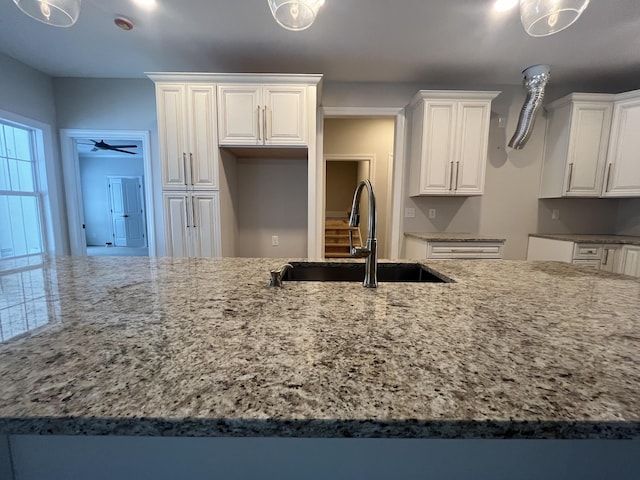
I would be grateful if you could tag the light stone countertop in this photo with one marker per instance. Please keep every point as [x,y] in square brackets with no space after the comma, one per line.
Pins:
[203,347]
[453,237]
[590,238]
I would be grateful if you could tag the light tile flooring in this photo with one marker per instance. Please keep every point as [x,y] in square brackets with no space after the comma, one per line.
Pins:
[118,251]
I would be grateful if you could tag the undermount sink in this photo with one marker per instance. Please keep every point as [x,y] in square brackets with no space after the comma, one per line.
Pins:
[354,272]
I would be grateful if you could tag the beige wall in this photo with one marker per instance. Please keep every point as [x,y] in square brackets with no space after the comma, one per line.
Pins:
[366,136]
[342,178]
[271,200]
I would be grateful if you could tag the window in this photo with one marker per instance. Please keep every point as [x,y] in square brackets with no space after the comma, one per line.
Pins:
[21,232]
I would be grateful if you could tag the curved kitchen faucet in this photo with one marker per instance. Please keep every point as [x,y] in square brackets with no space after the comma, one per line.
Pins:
[370,251]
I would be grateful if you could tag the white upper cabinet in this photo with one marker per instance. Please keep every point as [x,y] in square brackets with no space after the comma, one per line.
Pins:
[263,115]
[576,143]
[187,136]
[623,159]
[449,141]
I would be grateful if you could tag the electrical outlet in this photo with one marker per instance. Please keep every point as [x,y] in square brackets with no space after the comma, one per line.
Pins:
[275,241]
[432,213]
[555,214]
[409,213]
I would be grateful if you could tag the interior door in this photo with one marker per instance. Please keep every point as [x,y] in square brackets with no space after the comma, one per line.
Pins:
[127,214]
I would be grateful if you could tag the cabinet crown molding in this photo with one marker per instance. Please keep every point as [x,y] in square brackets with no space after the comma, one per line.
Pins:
[581,97]
[453,95]
[190,77]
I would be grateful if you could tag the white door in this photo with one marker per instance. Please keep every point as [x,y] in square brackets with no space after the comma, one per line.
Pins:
[127,214]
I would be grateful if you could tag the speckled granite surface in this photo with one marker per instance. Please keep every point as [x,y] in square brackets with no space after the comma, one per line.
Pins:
[593,238]
[454,237]
[202,347]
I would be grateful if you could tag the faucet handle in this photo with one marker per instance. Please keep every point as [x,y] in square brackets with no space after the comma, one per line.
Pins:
[277,274]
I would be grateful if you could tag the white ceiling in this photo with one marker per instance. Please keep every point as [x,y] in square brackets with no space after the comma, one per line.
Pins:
[434,42]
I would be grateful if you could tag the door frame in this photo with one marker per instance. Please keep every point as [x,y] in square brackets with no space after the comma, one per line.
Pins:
[394,227]
[73,187]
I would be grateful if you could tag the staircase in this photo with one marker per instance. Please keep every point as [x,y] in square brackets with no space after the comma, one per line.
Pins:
[336,238]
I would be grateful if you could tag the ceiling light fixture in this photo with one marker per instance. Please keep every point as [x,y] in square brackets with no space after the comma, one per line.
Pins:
[504,5]
[57,13]
[546,17]
[295,15]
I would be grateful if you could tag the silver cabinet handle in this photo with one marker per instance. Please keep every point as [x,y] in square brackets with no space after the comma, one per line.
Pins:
[454,250]
[457,171]
[570,175]
[606,185]
[186,209]
[606,256]
[451,178]
[193,212]
[264,123]
[191,168]
[184,166]
[259,129]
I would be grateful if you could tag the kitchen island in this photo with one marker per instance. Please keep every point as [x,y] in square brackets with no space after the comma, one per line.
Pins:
[168,347]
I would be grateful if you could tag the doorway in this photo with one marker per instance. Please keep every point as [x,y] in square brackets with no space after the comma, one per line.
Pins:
[109,193]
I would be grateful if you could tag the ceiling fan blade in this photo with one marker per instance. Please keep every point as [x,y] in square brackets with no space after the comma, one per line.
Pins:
[123,151]
[123,146]
[94,149]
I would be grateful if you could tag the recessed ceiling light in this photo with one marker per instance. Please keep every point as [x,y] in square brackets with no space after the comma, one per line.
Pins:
[504,5]
[145,3]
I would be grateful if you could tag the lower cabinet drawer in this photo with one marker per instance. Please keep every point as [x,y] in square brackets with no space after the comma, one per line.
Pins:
[477,250]
[583,251]
[587,263]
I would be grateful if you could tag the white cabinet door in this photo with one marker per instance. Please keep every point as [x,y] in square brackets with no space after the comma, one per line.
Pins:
[177,222]
[203,146]
[631,261]
[449,139]
[187,136]
[471,143]
[610,258]
[192,224]
[623,169]
[285,118]
[205,227]
[240,114]
[255,115]
[172,135]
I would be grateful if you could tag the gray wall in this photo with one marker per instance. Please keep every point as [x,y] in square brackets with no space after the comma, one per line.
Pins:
[114,104]
[628,220]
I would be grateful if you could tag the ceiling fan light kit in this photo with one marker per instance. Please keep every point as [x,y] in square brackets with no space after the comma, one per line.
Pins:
[57,13]
[295,15]
[541,18]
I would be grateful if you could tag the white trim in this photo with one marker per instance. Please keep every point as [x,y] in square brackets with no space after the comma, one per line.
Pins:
[53,236]
[71,168]
[396,234]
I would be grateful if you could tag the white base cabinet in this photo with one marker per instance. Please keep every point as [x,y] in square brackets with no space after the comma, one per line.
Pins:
[192,224]
[630,261]
[416,248]
[449,141]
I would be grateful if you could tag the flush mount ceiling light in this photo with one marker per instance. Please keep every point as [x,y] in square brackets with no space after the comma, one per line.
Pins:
[295,14]
[546,17]
[57,13]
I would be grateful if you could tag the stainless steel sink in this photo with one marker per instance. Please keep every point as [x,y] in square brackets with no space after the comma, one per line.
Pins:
[354,272]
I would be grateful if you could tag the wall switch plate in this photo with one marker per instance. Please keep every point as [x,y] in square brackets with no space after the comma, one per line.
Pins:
[275,241]
[432,213]
[409,213]
[555,214]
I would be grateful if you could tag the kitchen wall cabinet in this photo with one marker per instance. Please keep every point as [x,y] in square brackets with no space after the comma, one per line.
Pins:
[449,140]
[192,224]
[416,248]
[257,115]
[623,159]
[576,141]
[187,136]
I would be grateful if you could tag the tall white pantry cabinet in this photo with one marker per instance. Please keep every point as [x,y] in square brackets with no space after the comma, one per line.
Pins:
[189,163]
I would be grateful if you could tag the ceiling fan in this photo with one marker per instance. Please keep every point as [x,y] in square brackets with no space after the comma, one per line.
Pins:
[102,145]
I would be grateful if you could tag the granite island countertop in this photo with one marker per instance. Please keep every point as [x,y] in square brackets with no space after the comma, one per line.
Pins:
[590,238]
[203,347]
